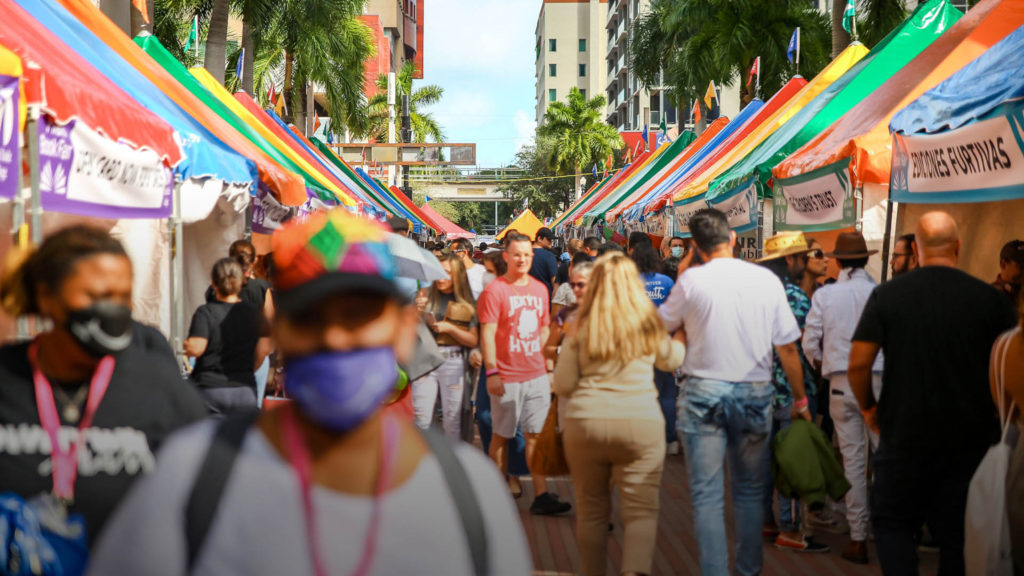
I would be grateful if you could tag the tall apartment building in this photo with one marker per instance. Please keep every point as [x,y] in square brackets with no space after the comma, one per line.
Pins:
[630,104]
[398,24]
[569,50]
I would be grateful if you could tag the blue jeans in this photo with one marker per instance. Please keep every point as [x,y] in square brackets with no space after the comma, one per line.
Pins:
[668,393]
[717,420]
[516,446]
[789,508]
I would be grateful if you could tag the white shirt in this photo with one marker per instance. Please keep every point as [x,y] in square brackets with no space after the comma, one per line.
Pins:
[260,528]
[564,295]
[476,280]
[835,312]
[734,313]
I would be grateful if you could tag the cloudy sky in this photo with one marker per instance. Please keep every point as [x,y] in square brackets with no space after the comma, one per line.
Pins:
[482,53]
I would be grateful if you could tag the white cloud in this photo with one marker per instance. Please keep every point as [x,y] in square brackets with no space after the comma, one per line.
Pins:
[526,126]
[493,37]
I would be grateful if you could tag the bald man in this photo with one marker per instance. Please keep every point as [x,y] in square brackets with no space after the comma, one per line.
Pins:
[936,419]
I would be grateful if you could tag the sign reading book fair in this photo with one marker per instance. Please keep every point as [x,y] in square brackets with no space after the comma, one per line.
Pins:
[83,172]
[980,162]
[9,163]
[819,200]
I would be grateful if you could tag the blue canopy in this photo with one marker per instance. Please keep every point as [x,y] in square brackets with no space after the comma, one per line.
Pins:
[399,209]
[992,79]
[205,154]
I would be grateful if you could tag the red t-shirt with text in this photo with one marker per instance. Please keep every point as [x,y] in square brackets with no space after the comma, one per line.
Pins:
[520,313]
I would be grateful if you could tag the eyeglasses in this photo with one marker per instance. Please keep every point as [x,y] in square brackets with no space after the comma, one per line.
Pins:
[816,254]
[458,251]
[575,285]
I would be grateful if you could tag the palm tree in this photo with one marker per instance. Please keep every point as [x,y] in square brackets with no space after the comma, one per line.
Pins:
[578,134]
[424,127]
[840,37]
[216,39]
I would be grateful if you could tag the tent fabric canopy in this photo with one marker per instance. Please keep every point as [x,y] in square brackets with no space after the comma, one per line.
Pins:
[572,215]
[860,139]
[446,226]
[74,89]
[526,223]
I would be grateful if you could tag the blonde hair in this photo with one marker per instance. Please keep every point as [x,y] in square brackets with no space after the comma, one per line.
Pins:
[460,283]
[617,321]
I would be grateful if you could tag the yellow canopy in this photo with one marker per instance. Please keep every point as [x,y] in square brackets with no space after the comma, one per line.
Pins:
[526,223]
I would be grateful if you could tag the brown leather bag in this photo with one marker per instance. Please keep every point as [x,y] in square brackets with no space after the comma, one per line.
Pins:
[459,314]
[549,455]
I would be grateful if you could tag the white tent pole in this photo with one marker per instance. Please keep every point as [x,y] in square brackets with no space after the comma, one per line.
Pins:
[176,276]
[35,201]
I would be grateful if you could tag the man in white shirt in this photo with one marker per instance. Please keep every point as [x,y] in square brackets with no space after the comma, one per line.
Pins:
[735,314]
[474,272]
[835,312]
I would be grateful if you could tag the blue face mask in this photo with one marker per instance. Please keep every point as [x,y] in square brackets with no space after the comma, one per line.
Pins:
[340,390]
[677,251]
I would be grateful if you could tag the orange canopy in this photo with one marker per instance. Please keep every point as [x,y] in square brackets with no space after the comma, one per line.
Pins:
[861,136]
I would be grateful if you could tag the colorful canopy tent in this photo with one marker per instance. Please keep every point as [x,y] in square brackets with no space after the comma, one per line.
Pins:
[752,116]
[321,185]
[450,229]
[205,156]
[386,200]
[916,33]
[958,148]
[573,216]
[526,223]
[856,150]
[156,64]
[408,203]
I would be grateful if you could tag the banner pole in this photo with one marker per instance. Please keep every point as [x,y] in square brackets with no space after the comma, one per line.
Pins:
[176,273]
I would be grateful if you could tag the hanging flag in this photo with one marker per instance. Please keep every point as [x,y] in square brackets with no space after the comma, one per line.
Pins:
[427,198]
[595,170]
[640,143]
[755,70]
[272,95]
[849,16]
[629,155]
[794,46]
[193,35]
[663,126]
[611,161]
[240,66]
[330,137]
[696,112]
[316,122]
[710,95]
[140,5]
[645,136]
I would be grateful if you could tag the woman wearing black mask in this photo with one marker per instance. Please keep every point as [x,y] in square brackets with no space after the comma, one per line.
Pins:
[96,378]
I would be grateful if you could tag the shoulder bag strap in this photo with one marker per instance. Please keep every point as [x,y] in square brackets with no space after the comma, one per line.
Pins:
[211,480]
[465,498]
[1002,349]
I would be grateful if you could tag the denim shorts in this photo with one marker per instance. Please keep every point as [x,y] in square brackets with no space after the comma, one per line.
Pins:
[714,407]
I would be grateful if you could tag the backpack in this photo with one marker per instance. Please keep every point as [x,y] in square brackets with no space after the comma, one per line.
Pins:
[987,549]
[215,471]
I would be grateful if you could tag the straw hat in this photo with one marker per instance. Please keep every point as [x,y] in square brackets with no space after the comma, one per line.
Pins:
[851,245]
[784,244]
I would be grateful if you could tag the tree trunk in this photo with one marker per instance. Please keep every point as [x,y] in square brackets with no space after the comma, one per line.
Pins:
[289,72]
[138,24]
[300,103]
[216,39]
[840,37]
[248,63]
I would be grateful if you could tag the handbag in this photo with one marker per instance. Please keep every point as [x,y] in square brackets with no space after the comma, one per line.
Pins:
[549,454]
[39,537]
[987,549]
[459,314]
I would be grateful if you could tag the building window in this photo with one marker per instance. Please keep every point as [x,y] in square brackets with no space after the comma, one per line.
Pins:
[552,95]
[583,93]
[552,45]
[583,69]
[552,70]
[583,44]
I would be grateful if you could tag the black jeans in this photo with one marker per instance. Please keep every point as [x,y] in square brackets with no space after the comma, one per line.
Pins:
[909,490]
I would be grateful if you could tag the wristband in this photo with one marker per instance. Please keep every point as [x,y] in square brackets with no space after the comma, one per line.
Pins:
[801,403]
[491,372]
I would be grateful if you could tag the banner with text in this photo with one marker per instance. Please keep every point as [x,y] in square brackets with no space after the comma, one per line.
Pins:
[980,162]
[684,210]
[819,200]
[83,172]
[9,138]
[740,208]
[269,215]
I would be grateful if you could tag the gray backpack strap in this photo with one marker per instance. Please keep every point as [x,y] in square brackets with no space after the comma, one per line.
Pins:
[465,498]
[212,479]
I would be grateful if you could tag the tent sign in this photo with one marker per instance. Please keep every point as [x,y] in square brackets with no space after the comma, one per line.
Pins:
[981,161]
[740,208]
[819,200]
[9,162]
[685,210]
[83,172]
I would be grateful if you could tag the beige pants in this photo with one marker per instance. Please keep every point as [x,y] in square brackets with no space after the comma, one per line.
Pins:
[630,453]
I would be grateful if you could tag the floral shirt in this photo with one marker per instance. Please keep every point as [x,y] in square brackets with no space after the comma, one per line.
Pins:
[800,304]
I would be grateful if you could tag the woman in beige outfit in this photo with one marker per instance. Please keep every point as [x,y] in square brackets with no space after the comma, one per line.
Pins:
[613,429]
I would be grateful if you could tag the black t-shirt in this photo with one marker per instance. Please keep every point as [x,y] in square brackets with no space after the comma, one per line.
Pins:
[146,401]
[936,326]
[253,292]
[545,266]
[562,276]
[231,332]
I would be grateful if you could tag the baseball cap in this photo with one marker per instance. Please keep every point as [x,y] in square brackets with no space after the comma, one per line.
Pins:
[331,253]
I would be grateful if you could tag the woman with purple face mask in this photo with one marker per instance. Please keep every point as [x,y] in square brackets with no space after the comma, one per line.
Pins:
[351,487]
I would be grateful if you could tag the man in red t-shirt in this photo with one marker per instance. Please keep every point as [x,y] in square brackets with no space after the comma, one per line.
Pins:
[513,312]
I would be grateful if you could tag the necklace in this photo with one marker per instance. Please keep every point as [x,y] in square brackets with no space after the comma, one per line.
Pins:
[71,406]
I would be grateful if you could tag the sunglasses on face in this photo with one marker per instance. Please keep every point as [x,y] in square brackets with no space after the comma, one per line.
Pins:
[575,285]
[816,254]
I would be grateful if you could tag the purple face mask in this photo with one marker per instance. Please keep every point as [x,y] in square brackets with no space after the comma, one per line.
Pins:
[340,390]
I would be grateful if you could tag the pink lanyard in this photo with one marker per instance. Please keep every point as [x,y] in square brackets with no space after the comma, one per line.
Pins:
[301,462]
[65,462]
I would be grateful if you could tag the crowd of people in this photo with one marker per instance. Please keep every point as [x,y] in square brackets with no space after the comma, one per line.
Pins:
[118,459]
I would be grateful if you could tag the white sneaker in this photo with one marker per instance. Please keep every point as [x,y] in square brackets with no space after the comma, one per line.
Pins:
[673,448]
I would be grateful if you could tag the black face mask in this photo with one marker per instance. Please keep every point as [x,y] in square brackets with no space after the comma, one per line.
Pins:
[101,329]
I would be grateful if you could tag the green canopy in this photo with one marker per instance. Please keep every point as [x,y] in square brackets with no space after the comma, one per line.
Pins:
[929,21]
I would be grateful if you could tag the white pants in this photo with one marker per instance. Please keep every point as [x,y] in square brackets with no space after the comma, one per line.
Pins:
[854,437]
[449,379]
